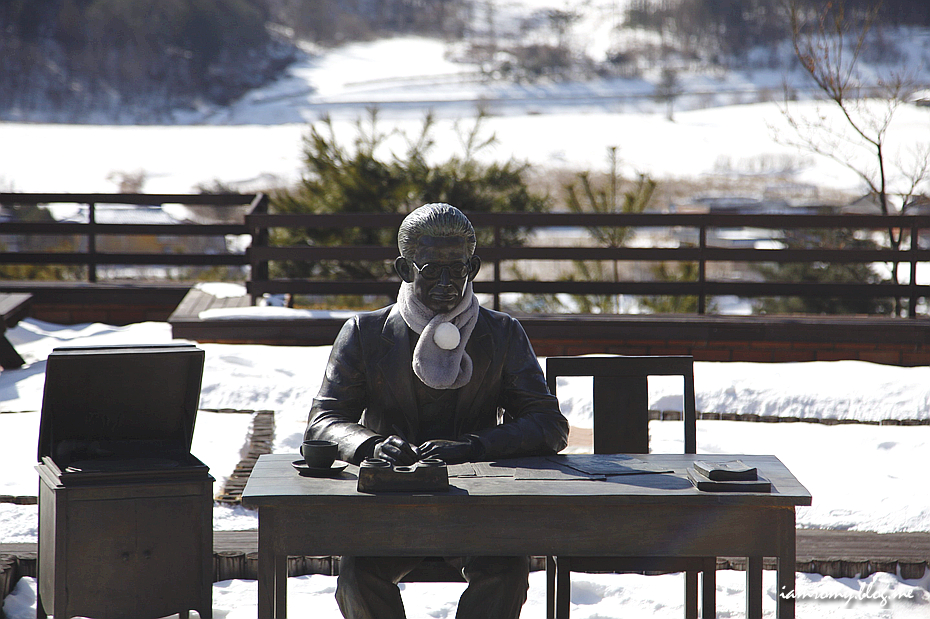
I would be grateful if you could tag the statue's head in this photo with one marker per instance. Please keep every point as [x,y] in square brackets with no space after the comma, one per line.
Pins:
[437,255]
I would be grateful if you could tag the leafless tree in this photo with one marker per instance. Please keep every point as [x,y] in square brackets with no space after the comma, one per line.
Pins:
[852,124]
[667,90]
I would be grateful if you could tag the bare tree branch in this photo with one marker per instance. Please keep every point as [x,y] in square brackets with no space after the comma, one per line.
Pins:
[829,43]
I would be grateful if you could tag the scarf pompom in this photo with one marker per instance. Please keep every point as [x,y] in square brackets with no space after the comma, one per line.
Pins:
[447,336]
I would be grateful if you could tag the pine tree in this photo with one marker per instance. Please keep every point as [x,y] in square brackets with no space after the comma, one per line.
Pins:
[357,179]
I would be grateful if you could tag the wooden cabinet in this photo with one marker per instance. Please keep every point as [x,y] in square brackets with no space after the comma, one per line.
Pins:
[125,510]
[134,551]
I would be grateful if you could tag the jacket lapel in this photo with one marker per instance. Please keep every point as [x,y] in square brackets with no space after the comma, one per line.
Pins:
[480,349]
[396,370]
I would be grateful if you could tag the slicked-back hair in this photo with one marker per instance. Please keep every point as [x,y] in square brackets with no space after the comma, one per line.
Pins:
[437,219]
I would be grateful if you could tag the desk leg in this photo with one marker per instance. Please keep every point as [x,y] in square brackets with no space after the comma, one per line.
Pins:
[787,558]
[550,587]
[267,572]
[709,588]
[754,587]
[280,587]
[40,607]
[563,587]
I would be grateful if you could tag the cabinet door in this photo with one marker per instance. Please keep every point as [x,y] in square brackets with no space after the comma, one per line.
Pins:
[135,558]
[169,554]
[99,564]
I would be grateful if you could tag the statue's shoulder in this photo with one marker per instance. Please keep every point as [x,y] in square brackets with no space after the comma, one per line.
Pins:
[373,318]
[500,320]
[362,327]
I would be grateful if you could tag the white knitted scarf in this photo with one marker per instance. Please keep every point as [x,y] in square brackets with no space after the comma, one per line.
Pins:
[439,358]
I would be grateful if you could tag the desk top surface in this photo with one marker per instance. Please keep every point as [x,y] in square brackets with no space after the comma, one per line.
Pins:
[576,478]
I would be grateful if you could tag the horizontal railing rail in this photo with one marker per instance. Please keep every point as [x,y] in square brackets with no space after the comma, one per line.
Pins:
[702,252]
[91,231]
[575,220]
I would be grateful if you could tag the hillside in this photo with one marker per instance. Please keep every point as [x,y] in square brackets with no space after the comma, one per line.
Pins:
[122,61]
[149,62]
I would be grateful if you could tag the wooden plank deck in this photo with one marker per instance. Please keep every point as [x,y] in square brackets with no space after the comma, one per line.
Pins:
[186,323]
[196,301]
[893,341]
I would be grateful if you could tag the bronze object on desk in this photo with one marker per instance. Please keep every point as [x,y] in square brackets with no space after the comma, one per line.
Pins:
[378,475]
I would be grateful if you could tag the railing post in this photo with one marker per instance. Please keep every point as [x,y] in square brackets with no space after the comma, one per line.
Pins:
[702,269]
[259,268]
[91,242]
[912,306]
[497,270]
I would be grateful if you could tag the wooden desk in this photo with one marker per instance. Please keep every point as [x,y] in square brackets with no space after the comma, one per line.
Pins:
[630,515]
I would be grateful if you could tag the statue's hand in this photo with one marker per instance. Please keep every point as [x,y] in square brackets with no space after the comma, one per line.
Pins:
[451,452]
[396,450]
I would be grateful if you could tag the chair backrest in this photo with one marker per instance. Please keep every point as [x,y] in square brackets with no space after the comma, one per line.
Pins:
[621,397]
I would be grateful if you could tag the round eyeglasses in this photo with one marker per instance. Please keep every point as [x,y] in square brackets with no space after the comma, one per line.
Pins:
[434,271]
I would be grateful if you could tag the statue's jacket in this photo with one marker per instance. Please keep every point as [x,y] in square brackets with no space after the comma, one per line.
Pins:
[368,389]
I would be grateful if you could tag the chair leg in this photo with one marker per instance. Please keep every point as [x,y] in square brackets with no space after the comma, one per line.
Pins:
[691,595]
[563,587]
[550,587]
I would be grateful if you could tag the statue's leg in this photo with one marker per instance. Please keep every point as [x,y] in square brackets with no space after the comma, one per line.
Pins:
[367,586]
[497,587]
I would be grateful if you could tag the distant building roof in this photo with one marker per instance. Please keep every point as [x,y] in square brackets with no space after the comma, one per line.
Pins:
[865,205]
[125,214]
[727,203]
[918,205]
[786,191]
[921,97]
[742,205]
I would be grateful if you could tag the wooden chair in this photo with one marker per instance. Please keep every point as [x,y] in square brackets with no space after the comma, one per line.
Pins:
[621,425]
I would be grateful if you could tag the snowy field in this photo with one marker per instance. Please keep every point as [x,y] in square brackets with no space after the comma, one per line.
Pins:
[257,141]
[862,477]
[47,158]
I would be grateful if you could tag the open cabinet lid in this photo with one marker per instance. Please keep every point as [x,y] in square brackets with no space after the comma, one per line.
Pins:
[97,397]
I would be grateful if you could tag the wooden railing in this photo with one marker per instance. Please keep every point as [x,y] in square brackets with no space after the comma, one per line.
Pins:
[498,275]
[92,230]
[702,252]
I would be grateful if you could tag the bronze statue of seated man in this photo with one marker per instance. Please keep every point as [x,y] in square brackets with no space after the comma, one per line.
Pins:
[435,376]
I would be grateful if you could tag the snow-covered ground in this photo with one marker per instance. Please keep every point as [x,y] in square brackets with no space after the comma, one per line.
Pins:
[862,477]
[594,596]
